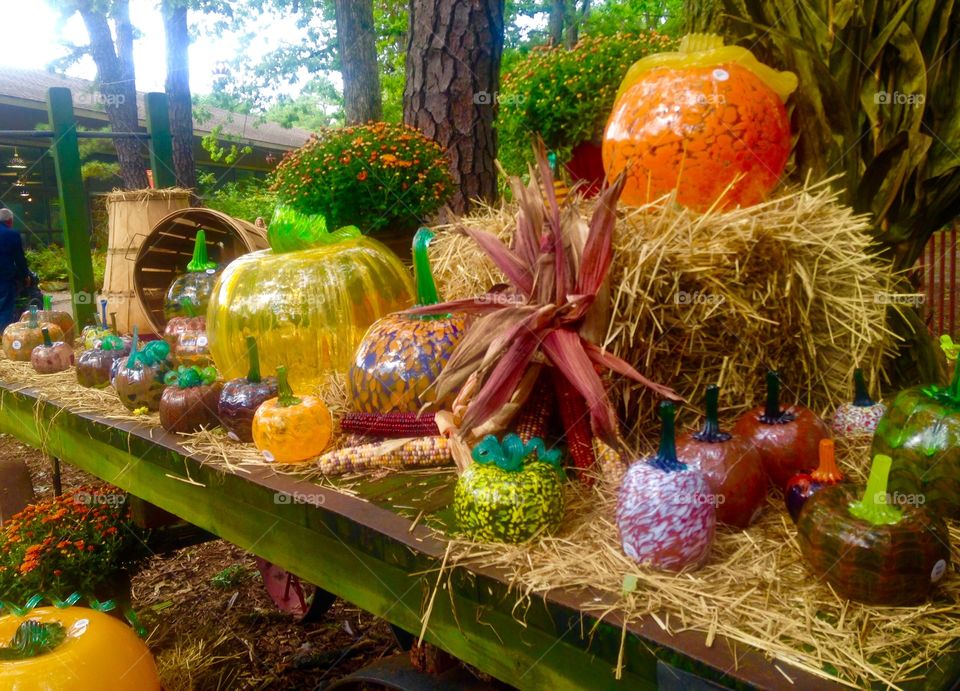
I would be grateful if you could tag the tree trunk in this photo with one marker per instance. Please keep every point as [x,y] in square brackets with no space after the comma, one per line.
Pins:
[703,16]
[356,36]
[558,10]
[116,75]
[572,21]
[453,77]
[178,91]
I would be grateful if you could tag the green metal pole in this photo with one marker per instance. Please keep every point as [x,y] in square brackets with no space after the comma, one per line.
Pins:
[73,202]
[161,144]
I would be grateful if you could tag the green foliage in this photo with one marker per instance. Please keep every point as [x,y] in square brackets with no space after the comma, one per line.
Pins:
[372,176]
[565,95]
[50,264]
[231,577]
[99,170]
[247,199]
[319,105]
[73,543]
[230,154]
[636,16]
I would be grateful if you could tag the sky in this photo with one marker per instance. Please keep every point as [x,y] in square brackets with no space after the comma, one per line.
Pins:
[30,38]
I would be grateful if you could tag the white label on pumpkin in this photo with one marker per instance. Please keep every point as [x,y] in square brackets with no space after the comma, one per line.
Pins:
[938,570]
[201,341]
[721,75]
[16,345]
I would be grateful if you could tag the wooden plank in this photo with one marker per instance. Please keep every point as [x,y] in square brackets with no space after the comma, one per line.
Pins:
[73,203]
[370,556]
[161,144]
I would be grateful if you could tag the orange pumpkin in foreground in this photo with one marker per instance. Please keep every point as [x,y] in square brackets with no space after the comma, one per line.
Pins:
[291,429]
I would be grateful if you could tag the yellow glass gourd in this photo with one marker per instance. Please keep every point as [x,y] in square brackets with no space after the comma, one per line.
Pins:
[307,309]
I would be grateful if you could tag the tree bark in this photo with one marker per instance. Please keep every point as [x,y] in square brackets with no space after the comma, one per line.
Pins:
[356,36]
[117,78]
[178,91]
[558,11]
[453,78]
[703,16]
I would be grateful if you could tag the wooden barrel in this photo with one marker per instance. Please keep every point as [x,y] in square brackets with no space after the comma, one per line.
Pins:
[168,248]
[132,215]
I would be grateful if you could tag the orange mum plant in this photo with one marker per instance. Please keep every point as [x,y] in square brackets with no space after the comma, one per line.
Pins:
[555,270]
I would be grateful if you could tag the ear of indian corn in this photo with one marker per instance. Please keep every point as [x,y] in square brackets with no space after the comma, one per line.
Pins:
[536,413]
[576,425]
[392,453]
[393,425]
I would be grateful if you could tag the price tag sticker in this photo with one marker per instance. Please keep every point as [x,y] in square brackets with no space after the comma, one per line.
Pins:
[17,345]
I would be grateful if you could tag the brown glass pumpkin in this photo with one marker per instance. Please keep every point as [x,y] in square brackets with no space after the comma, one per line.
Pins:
[20,338]
[190,400]
[51,356]
[187,337]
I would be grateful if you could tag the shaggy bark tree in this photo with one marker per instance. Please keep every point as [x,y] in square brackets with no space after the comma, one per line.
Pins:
[357,41]
[452,83]
[178,91]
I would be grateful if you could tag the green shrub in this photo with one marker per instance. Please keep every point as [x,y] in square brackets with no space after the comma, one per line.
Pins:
[245,200]
[565,95]
[373,176]
[50,264]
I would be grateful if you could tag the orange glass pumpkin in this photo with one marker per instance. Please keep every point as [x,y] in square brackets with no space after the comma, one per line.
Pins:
[52,316]
[20,338]
[92,651]
[291,429]
[707,121]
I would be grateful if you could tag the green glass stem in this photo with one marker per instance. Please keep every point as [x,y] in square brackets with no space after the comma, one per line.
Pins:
[772,415]
[189,307]
[103,314]
[113,323]
[422,272]
[861,398]
[32,322]
[200,260]
[955,384]
[711,423]
[132,360]
[284,392]
[46,337]
[253,353]
[47,302]
[666,458]
[874,508]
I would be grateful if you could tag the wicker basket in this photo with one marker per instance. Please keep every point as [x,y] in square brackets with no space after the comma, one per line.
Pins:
[169,246]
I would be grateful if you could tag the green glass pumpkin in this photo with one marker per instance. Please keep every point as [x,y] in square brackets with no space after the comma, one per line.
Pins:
[401,355]
[511,492]
[921,433]
[870,550]
[194,286]
[139,380]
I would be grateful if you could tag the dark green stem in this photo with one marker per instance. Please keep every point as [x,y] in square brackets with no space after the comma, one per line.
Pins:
[253,354]
[132,360]
[955,384]
[285,393]
[103,314]
[426,286]
[711,423]
[32,322]
[772,414]
[47,302]
[861,398]
[666,458]
[200,260]
[113,323]
[46,337]
[188,307]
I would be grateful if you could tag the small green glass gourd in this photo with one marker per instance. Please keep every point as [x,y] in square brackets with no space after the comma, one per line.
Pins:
[195,285]
[511,492]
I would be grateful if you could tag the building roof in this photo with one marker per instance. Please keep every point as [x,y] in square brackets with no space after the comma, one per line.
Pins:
[29,87]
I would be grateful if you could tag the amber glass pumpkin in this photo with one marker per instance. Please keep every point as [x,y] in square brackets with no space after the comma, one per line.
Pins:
[699,121]
[73,649]
[193,287]
[20,338]
[241,397]
[189,402]
[139,379]
[51,316]
[401,355]
[51,356]
[291,429]
[788,439]
[187,337]
[731,466]
[308,309]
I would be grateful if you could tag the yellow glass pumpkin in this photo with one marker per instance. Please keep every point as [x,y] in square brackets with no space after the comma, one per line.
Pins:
[96,652]
[307,309]
[291,429]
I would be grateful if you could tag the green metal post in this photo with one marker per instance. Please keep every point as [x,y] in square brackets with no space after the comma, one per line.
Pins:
[161,144]
[73,202]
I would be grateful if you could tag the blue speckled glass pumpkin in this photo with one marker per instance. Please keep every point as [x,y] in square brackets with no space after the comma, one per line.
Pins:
[511,492]
[401,355]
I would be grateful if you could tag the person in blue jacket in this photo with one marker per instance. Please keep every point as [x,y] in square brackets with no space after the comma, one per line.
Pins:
[14,274]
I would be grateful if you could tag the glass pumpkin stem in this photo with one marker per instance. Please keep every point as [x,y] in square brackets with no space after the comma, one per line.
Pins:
[666,458]
[772,415]
[32,322]
[47,302]
[113,323]
[103,314]
[827,472]
[200,260]
[861,398]
[46,337]
[711,423]
[188,307]
[133,347]
[874,508]
[422,273]
[955,384]
[284,392]
[253,353]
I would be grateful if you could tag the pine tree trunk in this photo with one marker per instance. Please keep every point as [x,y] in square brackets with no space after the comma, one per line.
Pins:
[116,75]
[703,16]
[356,36]
[558,10]
[178,91]
[453,77]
